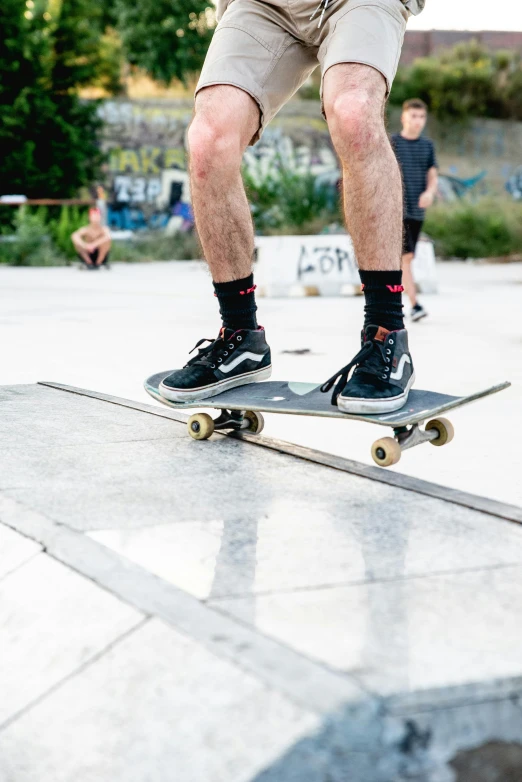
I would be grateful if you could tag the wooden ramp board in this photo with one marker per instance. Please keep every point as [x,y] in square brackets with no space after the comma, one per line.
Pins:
[281,396]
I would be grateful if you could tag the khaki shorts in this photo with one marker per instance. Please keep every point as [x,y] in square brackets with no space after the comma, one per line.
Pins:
[269,48]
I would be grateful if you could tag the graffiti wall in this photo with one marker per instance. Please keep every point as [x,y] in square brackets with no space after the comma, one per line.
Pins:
[146,177]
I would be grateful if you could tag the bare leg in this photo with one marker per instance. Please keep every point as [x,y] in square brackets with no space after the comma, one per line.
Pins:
[354,97]
[407,278]
[83,253]
[226,120]
[103,249]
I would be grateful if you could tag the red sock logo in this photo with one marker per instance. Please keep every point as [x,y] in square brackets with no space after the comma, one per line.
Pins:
[395,288]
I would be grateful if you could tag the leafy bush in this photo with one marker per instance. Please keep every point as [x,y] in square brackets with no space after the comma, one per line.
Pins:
[465,81]
[484,230]
[69,220]
[283,197]
[31,244]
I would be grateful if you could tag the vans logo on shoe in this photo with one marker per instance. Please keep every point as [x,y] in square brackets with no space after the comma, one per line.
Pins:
[398,373]
[238,359]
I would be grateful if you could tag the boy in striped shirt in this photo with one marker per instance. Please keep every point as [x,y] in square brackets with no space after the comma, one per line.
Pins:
[418,164]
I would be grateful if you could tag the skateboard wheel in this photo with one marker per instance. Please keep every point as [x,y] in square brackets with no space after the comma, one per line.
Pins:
[200,426]
[386,452]
[444,428]
[256,422]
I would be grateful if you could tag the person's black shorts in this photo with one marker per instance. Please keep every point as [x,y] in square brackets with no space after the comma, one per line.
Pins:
[410,234]
[94,257]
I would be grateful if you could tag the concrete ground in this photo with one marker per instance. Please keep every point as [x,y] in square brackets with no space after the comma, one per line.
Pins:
[107,331]
[173,610]
[177,610]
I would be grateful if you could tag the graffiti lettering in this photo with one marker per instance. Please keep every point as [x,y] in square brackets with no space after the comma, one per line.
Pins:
[146,160]
[175,157]
[149,164]
[325,260]
[136,190]
[277,151]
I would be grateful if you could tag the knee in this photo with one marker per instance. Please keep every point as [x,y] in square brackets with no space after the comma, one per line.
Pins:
[214,144]
[356,122]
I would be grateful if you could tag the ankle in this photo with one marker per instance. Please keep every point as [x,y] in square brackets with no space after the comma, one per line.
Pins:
[237,303]
[383,299]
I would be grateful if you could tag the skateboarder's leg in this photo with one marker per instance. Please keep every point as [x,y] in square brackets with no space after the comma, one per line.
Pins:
[226,119]
[354,95]
[232,108]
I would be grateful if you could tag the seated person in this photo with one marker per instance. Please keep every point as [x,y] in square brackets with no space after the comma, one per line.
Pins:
[92,242]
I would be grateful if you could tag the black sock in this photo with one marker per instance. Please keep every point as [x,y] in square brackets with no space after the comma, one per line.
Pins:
[237,303]
[383,297]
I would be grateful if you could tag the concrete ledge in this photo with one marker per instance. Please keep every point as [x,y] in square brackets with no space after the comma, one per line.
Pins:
[408,483]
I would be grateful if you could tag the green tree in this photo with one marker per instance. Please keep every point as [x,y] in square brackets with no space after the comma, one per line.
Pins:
[167,38]
[465,81]
[48,136]
[81,55]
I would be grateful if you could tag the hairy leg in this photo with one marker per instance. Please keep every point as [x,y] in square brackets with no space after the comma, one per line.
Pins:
[226,119]
[407,278]
[354,96]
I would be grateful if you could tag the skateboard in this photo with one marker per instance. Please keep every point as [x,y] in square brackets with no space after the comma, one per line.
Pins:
[241,409]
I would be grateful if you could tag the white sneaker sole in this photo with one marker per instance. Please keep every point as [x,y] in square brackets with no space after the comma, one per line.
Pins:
[374,406]
[418,316]
[205,392]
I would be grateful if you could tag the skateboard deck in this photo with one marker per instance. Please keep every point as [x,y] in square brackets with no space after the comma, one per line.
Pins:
[241,407]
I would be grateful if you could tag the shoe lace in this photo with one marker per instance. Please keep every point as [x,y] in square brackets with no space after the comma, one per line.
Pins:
[341,376]
[210,354]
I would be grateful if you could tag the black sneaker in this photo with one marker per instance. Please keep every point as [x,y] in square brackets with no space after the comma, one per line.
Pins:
[382,377]
[235,358]
[418,312]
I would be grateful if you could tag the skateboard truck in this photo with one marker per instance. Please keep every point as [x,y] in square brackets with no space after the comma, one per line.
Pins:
[201,426]
[387,450]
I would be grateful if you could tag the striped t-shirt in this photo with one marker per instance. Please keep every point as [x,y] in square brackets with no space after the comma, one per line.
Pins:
[416,157]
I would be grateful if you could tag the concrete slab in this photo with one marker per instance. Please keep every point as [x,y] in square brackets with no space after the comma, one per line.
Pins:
[294,543]
[52,622]
[94,423]
[403,636]
[318,613]
[14,550]
[157,706]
